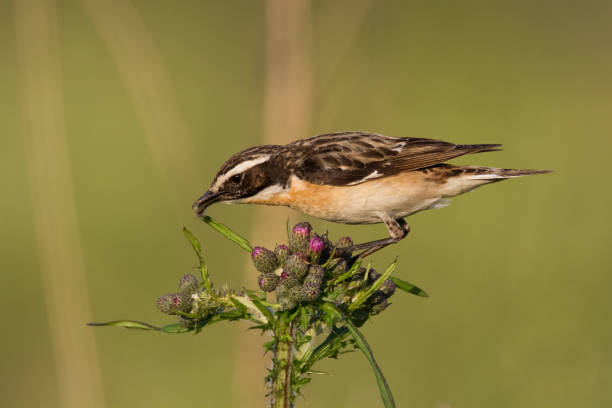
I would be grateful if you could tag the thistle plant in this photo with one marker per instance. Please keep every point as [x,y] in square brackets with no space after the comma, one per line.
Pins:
[313,295]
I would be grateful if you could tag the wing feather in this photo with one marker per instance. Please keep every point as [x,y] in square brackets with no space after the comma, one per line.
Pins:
[351,158]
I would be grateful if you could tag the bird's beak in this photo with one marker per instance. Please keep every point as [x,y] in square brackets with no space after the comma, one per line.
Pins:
[203,202]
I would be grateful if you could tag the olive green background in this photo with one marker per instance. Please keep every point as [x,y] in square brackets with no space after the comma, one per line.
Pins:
[518,272]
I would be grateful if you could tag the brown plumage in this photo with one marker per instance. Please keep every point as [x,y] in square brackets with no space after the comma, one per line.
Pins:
[354,178]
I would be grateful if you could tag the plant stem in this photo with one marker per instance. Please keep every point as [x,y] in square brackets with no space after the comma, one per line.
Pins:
[280,385]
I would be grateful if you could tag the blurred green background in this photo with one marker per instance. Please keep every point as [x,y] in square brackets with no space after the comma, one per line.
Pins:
[117,114]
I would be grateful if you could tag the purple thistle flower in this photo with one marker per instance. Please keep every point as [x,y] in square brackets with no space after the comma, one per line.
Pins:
[300,237]
[316,245]
[302,229]
[256,251]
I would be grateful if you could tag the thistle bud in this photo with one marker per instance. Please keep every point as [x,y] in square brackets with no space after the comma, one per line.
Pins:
[388,288]
[358,275]
[174,302]
[300,237]
[379,307]
[373,276]
[282,253]
[297,266]
[189,284]
[264,259]
[310,291]
[286,303]
[315,248]
[344,242]
[288,279]
[360,316]
[315,274]
[339,268]
[288,298]
[268,282]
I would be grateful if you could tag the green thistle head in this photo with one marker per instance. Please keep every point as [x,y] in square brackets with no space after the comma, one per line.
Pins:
[297,266]
[282,253]
[264,260]
[288,279]
[311,291]
[315,275]
[174,302]
[268,282]
[288,298]
[189,284]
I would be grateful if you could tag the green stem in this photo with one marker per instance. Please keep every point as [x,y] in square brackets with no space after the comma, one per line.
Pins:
[280,385]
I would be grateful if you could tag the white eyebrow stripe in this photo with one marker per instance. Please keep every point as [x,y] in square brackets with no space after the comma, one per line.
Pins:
[239,168]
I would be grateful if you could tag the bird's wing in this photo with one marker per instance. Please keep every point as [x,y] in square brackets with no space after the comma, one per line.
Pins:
[355,157]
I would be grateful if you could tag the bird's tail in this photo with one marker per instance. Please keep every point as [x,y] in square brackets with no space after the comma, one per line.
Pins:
[493,173]
[466,178]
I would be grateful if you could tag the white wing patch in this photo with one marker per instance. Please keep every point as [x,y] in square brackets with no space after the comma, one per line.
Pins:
[370,176]
[399,147]
[239,168]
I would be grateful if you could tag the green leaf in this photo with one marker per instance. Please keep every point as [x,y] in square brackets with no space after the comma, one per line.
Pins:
[228,233]
[375,286]
[195,244]
[128,324]
[354,268]
[175,328]
[269,345]
[330,347]
[362,344]
[133,324]
[241,308]
[403,285]
[330,259]
[264,310]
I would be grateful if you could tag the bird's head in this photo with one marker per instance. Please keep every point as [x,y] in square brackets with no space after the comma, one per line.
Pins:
[244,175]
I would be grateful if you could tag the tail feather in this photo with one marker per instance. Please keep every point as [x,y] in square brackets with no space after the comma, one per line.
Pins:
[480,148]
[495,173]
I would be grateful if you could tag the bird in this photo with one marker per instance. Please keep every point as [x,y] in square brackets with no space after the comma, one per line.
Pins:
[354,178]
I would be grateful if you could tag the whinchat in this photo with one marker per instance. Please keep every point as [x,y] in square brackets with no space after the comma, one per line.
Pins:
[354,178]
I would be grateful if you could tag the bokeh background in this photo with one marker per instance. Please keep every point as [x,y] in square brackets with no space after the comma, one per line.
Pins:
[116,114]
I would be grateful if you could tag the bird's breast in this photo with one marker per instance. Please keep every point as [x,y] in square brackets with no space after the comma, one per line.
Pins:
[396,196]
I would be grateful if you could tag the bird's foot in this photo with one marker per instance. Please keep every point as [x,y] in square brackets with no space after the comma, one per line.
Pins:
[398,229]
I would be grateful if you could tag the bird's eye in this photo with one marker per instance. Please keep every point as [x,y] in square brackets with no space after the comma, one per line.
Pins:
[236,178]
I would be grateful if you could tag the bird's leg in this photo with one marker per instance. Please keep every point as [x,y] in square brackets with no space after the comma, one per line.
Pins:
[398,229]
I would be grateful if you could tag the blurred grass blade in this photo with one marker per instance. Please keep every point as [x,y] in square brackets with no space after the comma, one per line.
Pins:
[228,233]
[362,344]
[375,286]
[198,250]
[403,285]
